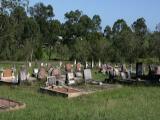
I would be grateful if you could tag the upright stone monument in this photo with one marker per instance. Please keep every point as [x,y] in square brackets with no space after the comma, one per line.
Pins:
[30,64]
[23,74]
[42,74]
[68,67]
[87,75]
[99,64]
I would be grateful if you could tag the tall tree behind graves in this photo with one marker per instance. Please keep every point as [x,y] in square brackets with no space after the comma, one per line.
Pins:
[140,30]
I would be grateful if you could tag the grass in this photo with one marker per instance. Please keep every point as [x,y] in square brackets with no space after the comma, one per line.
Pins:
[132,103]
[126,103]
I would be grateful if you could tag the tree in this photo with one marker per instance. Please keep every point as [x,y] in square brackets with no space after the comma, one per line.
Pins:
[96,23]
[108,32]
[140,27]
[10,5]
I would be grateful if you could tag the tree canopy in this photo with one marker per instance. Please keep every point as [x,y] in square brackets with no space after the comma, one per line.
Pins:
[32,33]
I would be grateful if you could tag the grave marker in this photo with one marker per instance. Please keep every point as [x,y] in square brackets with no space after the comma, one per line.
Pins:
[87,75]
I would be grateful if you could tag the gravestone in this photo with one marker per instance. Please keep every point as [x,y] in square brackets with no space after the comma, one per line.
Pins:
[79,74]
[23,74]
[30,64]
[92,64]
[139,69]
[75,62]
[100,64]
[42,74]
[157,70]
[60,63]
[86,65]
[42,64]
[68,67]
[7,73]
[70,78]
[50,71]
[51,81]
[78,67]
[56,73]
[87,75]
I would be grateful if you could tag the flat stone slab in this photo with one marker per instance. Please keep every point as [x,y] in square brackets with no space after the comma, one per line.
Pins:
[63,91]
[10,105]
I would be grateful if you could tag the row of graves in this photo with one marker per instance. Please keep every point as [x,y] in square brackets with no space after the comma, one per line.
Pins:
[60,82]
[142,74]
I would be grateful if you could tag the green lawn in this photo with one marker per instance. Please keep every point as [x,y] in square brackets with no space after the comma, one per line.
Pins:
[127,103]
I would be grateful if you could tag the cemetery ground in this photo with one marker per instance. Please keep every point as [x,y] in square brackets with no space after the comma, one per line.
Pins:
[128,102]
[133,103]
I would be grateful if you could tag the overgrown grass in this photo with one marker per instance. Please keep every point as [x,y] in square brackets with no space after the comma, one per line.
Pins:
[127,103]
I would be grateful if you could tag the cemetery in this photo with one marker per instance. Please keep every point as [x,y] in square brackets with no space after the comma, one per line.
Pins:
[51,83]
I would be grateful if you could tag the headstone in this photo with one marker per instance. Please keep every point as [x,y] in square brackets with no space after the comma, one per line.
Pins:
[86,65]
[50,71]
[100,64]
[42,74]
[60,63]
[70,78]
[123,68]
[42,64]
[78,67]
[68,67]
[30,64]
[87,74]
[51,81]
[7,73]
[56,73]
[123,76]
[79,74]
[157,70]
[75,62]
[92,64]
[139,69]
[23,74]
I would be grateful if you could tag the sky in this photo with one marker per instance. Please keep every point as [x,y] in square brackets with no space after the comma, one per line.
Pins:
[109,10]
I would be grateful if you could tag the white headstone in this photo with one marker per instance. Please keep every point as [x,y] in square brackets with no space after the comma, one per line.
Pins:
[92,64]
[70,76]
[86,64]
[60,63]
[87,74]
[30,64]
[42,64]
[35,70]
[100,64]
[75,62]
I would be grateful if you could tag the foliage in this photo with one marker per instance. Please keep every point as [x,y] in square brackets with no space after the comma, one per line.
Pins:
[31,33]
